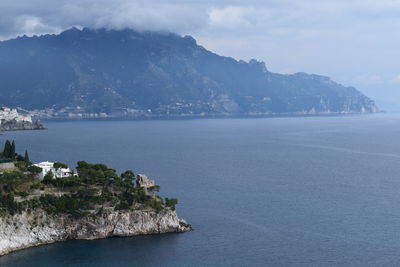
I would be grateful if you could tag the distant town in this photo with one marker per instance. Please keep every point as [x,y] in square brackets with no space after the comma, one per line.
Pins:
[11,119]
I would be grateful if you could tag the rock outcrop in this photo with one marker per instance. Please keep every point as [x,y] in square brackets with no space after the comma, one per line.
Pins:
[14,125]
[37,227]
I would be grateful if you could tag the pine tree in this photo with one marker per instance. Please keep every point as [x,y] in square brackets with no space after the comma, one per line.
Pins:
[26,157]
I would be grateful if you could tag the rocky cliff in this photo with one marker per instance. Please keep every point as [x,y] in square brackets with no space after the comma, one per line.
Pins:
[37,227]
[14,125]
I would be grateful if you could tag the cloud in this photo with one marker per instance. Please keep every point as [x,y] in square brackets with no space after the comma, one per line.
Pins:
[232,17]
[30,25]
[396,79]
[368,79]
[44,16]
[337,38]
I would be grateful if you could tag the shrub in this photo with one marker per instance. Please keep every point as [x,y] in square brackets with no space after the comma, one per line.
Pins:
[11,180]
[34,169]
[171,202]
[22,194]
[35,186]
[123,205]
[7,203]
[155,204]
[48,178]
[21,165]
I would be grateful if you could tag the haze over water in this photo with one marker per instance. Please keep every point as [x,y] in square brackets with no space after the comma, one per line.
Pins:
[316,191]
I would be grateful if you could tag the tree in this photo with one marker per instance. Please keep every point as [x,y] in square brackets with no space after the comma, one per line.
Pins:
[171,202]
[48,177]
[34,169]
[60,165]
[12,150]
[128,176]
[26,157]
[7,151]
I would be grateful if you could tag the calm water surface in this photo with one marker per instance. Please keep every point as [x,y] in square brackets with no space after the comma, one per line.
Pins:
[320,191]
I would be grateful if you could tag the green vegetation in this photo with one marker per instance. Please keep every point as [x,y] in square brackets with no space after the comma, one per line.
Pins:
[26,157]
[48,178]
[59,165]
[171,202]
[34,169]
[95,188]
[9,150]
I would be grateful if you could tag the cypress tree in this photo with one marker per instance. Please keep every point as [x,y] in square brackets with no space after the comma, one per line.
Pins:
[12,150]
[26,157]
[7,149]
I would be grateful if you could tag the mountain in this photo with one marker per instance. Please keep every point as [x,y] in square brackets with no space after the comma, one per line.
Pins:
[131,73]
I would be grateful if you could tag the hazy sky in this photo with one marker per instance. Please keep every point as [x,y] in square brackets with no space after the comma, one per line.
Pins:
[355,42]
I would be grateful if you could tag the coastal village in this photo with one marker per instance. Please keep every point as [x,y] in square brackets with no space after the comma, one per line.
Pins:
[11,119]
[9,114]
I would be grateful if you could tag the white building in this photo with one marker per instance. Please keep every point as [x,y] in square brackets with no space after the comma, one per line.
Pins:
[49,166]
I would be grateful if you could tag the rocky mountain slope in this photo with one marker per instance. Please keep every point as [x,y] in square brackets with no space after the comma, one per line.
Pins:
[131,73]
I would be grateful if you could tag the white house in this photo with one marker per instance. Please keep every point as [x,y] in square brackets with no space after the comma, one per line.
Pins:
[49,166]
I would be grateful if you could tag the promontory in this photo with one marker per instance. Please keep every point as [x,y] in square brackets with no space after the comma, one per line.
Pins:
[48,202]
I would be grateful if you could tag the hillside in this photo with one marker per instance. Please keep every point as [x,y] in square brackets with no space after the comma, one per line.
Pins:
[142,74]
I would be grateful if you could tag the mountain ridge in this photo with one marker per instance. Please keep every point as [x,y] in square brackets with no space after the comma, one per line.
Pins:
[155,74]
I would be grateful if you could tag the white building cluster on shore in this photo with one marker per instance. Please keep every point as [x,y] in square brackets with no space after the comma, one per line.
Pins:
[8,114]
[47,166]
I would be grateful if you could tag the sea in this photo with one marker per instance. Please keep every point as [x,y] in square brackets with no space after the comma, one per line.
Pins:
[305,191]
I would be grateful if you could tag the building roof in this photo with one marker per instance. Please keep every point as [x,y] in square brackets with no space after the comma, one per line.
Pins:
[45,164]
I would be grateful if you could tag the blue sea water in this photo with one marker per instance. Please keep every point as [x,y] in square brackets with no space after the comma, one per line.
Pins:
[314,191]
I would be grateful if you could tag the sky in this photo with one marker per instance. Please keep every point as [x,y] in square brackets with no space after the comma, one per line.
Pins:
[355,42]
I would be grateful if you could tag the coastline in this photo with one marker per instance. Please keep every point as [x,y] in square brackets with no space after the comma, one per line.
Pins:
[210,116]
[27,230]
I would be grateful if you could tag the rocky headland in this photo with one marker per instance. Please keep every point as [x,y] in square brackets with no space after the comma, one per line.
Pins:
[90,202]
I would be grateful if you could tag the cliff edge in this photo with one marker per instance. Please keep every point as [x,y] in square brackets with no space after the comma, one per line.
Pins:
[36,228]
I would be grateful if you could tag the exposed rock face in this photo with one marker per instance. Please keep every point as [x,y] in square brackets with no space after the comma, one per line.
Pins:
[38,228]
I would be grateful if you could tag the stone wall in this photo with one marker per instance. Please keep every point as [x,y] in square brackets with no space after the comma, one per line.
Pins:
[7,166]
